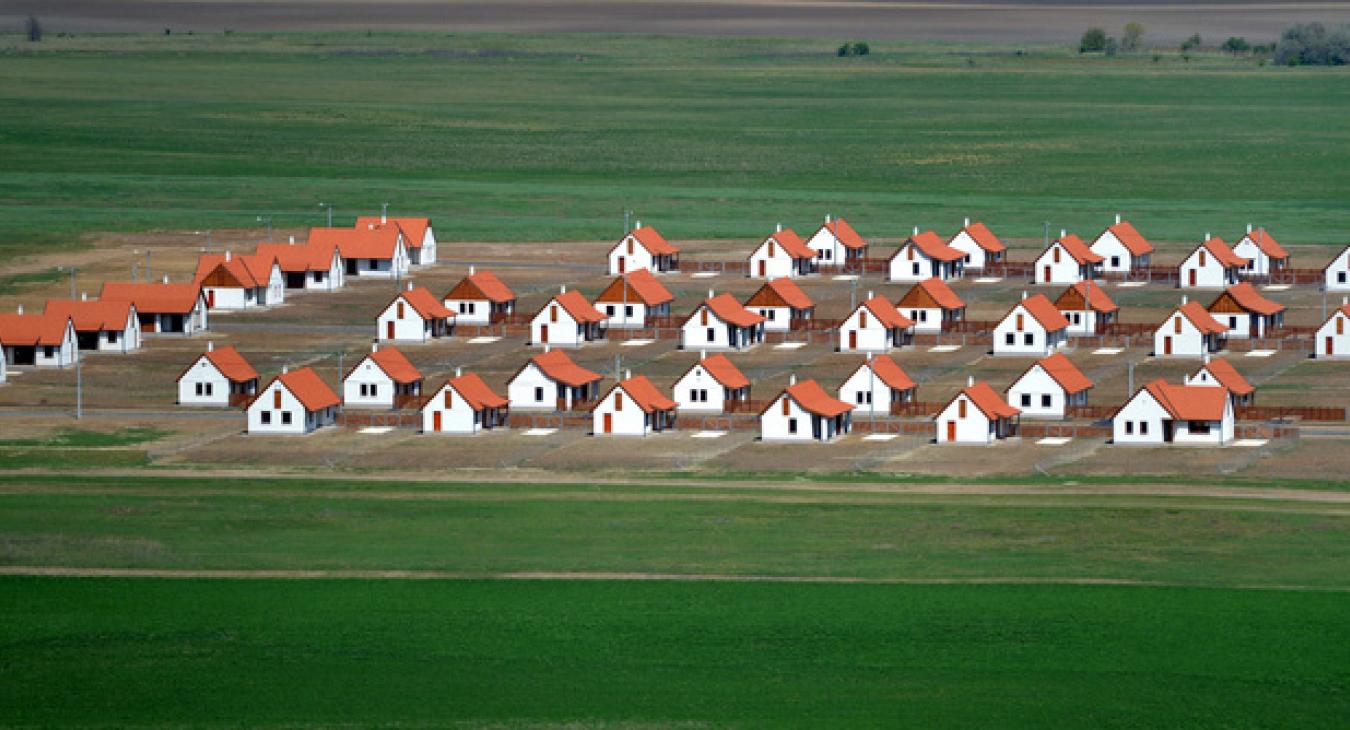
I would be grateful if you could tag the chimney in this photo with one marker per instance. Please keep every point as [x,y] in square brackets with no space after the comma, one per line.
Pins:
[1183,299]
[166,278]
[827,218]
[384,216]
[778,227]
[227,255]
[916,230]
[409,286]
[290,240]
[210,346]
[1345,301]
[1024,295]
[548,348]
[869,357]
[84,296]
[20,309]
[637,224]
[792,380]
[1117,219]
[1063,232]
[473,270]
[458,371]
[285,369]
[967,223]
[627,374]
[869,295]
[703,354]
[1206,358]
[374,347]
[1206,235]
[1249,228]
[562,289]
[710,293]
[970,381]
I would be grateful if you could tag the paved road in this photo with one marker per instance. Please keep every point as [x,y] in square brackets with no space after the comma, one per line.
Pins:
[204,414]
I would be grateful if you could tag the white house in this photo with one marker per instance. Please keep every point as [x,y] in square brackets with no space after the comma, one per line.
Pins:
[1189,331]
[634,300]
[643,248]
[931,305]
[306,267]
[878,385]
[240,282]
[805,412]
[414,315]
[923,256]
[161,308]
[417,234]
[1032,327]
[782,253]
[633,407]
[1212,265]
[99,326]
[1159,413]
[552,381]
[1333,339]
[1264,254]
[218,377]
[981,247]
[371,250]
[836,243]
[38,340]
[1336,274]
[782,304]
[480,299]
[382,379]
[721,323]
[464,405]
[977,415]
[295,402]
[875,326]
[1067,260]
[1246,313]
[1122,248]
[1049,387]
[567,320]
[713,384]
[1087,307]
[1220,373]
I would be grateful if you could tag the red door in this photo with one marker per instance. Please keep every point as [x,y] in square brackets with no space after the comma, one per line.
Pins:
[761,268]
[853,339]
[623,264]
[1190,278]
[609,423]
[388,330]
[951,431]
[1046,274]
[1167,345]
[543,333]
[211,298]
[436,421]
[1330,349]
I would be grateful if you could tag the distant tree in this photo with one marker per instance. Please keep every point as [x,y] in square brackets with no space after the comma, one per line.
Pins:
[1314,44]
[1093,41]
[1111,46]
[1191,43]
[1132,38]
[34,29]
[1236,45]
[856,48]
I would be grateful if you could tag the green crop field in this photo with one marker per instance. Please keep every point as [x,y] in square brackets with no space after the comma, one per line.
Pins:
[514,138]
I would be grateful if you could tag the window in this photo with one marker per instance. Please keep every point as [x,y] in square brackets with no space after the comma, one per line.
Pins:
[209,388]
[265,418]
[792,425]
[923,315]
[909,254]
[703,395]
[1232,323]
[693,395]
[1115,262]
[916,269]
[1045,400]
[628,312]
[285,418]
[771,249]
[1340,277]
[961,408]
[787,407]
[1176,325]
[538,395]
[1143,428]
[609,309]
[400,310]
[1340,325]
[1010,339]
[1021,322]
[618,401]
[466,307]
[48,351]
[1077,317]
[112,337]
[372,390]
[1202,258]
[862,319]
[1055,254]
[450,398]
[630,246]
[1028,339]
[553,313]
[712,334]
[1129,428]
[1198,427]
[703,317]
[1026,400]
[199,389]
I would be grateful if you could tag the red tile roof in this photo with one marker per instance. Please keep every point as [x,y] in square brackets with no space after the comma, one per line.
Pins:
[780,292]
[1201,318]
[394,364]
[643,286]
[231,364]
[813,399]
[308,388]
[792,244]
[646,395]
[932,246]
[652,240]
[414,229]
[367,242]
[936,290]
[296,258]
[1077,249]
[482,285]
[886,313]
[1222,253]
[1090,291]
[1042,310]
[33,329]
[1228,376]
[726,308]
[91,315]
[844,233]
[1129,237]
[890,372]
[558,366]
[151,298]
[990,403]
[1267,243]
[1247,297]
[577,307]
[1189,402]
[476,392]
[983,237]
[251,272]
[1062,370]
[424,303]
[723,371]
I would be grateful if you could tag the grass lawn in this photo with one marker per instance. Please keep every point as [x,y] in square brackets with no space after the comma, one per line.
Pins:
[187,653]
[551,137]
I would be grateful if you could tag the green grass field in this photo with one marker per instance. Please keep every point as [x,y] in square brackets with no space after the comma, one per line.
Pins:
[551,137]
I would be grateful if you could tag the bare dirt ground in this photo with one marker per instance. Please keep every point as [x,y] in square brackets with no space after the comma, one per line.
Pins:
[1010,21]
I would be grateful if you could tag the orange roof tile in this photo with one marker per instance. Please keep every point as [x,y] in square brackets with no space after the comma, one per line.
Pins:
[296,258]
[932,246]
[723,371]
[473,389]
[1222,253]
[890,372]
[1336,258]
[558,366]
[237,268]
[1247,297]
[1189,402]
[726,308]
[424,303]
[886,313]
[646,395]
[1228,376]
[1131,239]
[792,244]
[151,298]
[844,233]
[1062,370]
[1077,249]
[91,315]
[367,242]
[813,399]
[308,388]
[231,364]
[414,229]
[643,286]
[1042,310]
[1201,318]
[577,307]
[1267,243]
[394,364]
[990,403]
[1091,292]
[482,285]
[33,329]
[652,240]
[932,290]
[983,237]
[780,292]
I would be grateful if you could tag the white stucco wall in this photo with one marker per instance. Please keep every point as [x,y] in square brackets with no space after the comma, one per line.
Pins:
[698,379]
[975,428]
[1066,271]
[1030,391]
[628,420]
[215,387]
[370,375]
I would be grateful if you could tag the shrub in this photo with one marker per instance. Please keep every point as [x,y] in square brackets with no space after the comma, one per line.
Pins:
[1111,46]
[1312,44]
[856,48]
[1191,43]
[1236,44]
[1094,40]
[1132,38]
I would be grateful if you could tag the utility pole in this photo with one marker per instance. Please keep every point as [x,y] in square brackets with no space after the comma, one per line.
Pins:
[79,385]
[1130,386]
[384,212]
[852,294]
[72,281]
[268,220]
[329,206]
[147,265]
[626,215]
[1047,234]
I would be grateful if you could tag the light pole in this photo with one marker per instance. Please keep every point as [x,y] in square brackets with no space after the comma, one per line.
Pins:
[72,282]
[384,212]
[627,214]
[267,219]
[329,207]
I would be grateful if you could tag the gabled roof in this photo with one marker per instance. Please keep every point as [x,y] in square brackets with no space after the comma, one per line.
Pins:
[1267,243]
[308,388]
[365,242]
[394,364]
[780,292]
[1075,247]
[889,372]
[1201,318]
[482,285]
[476,392]
[92,315]
[250,272]
[983,237]
[1221,252]
[931,246]
[1228,376]
[726,308]
[813,399]
[577,307]
[298,257]
[652,240]
[931,291]
[844,233]
[645,394]
[886,313]
[1344,252]
[558,366]
[1189,402]
[722,370]
[643,286]
[1130,238]
[1090,291]
[230,363]
[424,303]
[791,244]
[985,398]
[414,229]
[1042,310]
[152,298]
[33,329]
[1248,298]
[1344,309]
[1062,370]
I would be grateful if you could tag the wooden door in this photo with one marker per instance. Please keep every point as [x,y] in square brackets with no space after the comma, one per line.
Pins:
[1045,273]
[543,333]
[951,431]
[211,298]
[853,339]
[762,268]
[1167,345]
[609,423]
[623,264]
[1330,348]
[388,330]
[436,421]
[1190,278]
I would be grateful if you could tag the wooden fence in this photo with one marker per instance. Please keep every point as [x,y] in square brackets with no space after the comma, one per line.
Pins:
[1281,413]
[351,418]
[916,408]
